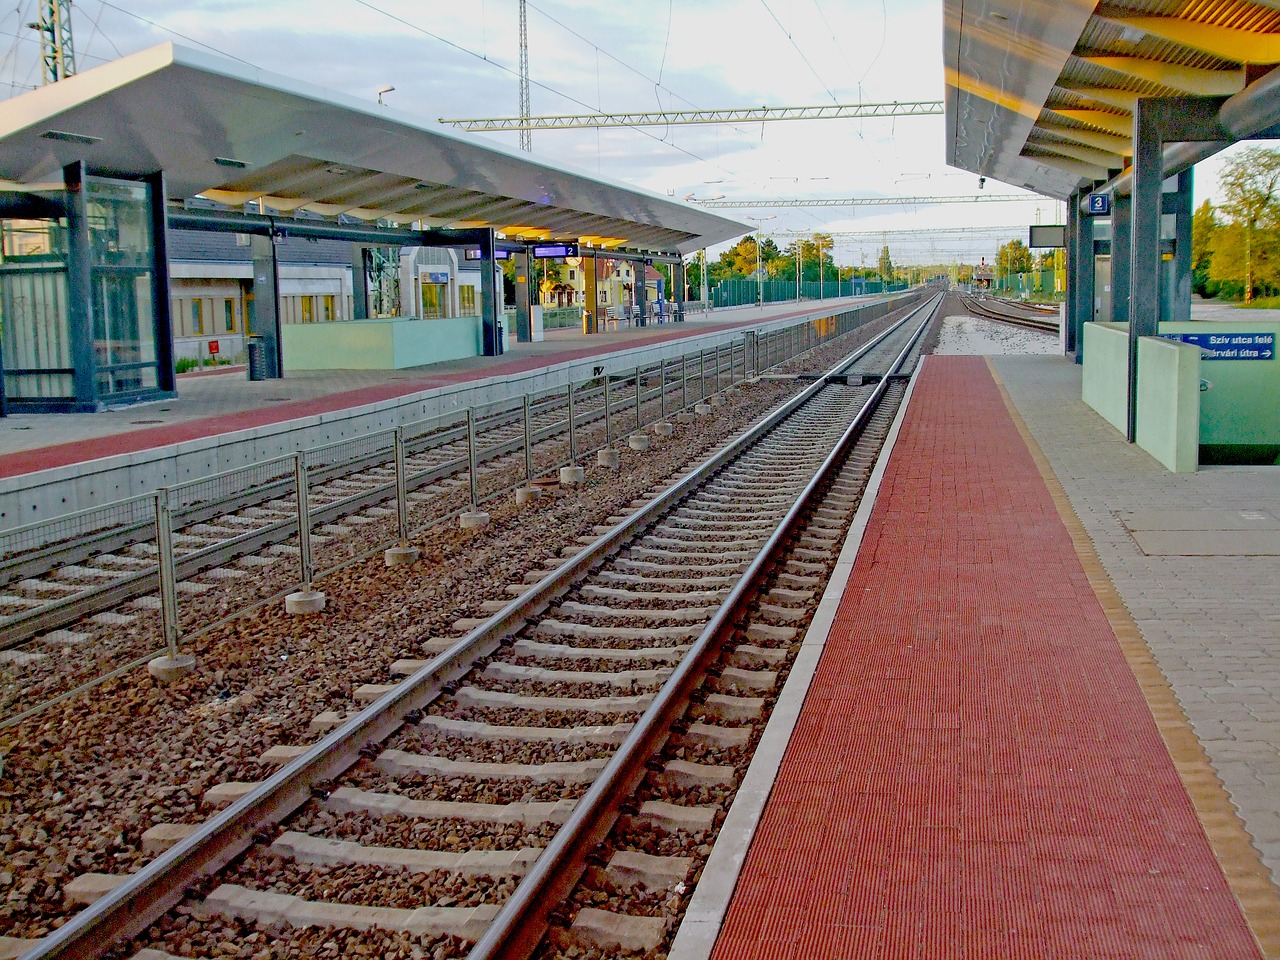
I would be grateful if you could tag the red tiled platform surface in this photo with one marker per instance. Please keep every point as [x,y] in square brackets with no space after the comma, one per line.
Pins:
[134,441]
[976,773]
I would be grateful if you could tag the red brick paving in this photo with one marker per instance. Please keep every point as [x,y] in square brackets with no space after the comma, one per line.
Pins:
[975,773]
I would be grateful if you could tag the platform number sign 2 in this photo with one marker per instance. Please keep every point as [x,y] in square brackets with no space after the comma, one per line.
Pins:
[1099,204]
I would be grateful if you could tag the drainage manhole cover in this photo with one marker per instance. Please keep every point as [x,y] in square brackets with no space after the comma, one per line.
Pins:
[278,399]
[146,421]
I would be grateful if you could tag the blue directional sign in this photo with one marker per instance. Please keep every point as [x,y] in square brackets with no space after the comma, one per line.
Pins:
[1230,346]
[1099,204]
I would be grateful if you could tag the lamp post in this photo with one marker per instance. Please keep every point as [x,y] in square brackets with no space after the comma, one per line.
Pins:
[759,264]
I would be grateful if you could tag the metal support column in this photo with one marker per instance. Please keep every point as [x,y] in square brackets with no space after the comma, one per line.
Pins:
[359,282]
[1072,293]
[1082,280]
[80,291]
[490,342]
[266,302]
[160,304]
[524,297]
[590,298]
[639,268]
[677,291]
[1121,251]
[1184,210]
[1144,296]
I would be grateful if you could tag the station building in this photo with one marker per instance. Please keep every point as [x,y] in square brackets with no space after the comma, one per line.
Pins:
[144,213]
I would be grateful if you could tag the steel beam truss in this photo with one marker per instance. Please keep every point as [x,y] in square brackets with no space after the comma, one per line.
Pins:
[868,201]
[659,118]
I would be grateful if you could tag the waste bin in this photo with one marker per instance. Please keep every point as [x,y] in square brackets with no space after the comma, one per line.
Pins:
[588,321]
[257,358]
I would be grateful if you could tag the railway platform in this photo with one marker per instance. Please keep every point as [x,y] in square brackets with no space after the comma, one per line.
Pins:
[54,464]
[211,403]
[1031,725]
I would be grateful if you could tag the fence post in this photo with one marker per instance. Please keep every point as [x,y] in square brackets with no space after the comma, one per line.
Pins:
[475,518]
[528,492]
[638,440]
[608,424]
[305,600]
[401,553]
[173,664]
[572,474]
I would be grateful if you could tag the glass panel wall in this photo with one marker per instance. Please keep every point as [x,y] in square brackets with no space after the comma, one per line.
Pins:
[34,331]
[121,255]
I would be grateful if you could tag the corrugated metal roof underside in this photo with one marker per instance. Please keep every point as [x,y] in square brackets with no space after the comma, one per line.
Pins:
[1041,92]
[234,134]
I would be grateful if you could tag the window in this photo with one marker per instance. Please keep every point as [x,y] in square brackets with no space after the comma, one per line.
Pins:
[572,275]
[229,315]
[308,309]
[467,301]
[197,317]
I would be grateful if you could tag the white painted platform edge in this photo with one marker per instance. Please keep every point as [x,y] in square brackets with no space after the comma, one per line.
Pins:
[702,921]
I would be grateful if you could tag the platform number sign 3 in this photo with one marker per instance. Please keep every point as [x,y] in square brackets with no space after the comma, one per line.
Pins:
[1099,204]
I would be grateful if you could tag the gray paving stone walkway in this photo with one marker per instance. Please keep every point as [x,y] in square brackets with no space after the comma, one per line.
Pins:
[1212,623]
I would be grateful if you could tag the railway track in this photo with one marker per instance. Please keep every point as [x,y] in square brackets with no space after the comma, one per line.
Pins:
[53,585]
[102,558]
[1000,312]
[481,785]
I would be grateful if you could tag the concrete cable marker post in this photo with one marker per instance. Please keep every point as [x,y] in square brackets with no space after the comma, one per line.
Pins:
[305,600]
[173,664]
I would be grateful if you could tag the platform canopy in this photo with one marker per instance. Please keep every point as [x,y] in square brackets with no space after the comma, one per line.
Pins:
[1041,93]
[228,132]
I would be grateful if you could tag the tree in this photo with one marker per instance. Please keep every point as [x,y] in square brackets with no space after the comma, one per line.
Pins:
[739,261]
[1204,225]
[886,264]
[1250,181]
[1014,257]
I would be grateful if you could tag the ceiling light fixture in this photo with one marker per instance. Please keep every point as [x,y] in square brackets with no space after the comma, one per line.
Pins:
[81,138]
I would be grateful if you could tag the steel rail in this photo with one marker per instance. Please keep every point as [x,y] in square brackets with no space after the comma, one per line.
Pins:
[521,922]
[138,902]
[16,629]
[989,313]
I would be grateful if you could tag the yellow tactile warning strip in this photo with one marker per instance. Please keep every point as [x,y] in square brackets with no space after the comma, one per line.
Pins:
[1232,845]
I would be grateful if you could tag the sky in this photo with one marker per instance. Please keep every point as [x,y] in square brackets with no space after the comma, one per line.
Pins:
[460,60]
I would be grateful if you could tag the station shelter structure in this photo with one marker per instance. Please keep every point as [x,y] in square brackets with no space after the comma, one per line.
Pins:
[98,171]
[1108,107]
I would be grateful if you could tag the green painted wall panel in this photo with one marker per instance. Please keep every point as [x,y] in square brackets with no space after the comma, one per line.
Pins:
[1243,406]
[1169,402]
[1105,377]
[390,344]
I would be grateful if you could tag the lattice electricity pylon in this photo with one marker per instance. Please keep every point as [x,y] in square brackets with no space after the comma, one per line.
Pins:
[526,137]
[57,52]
